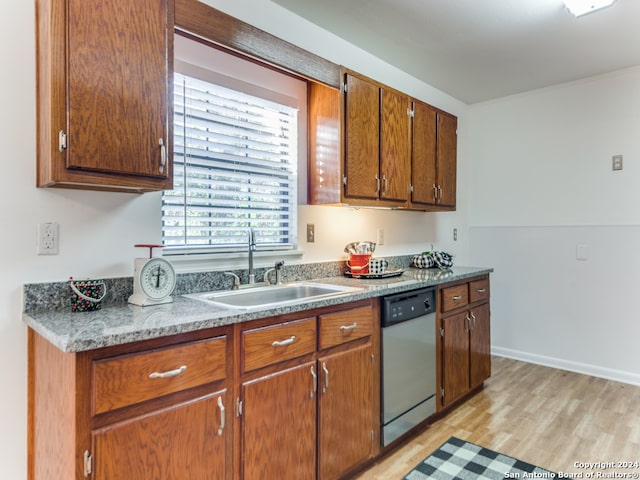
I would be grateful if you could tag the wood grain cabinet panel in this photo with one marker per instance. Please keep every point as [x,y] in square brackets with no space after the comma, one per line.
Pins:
[104,94]
[130,379]
[480,345]
[266,346]
[434,159]
[465,338]
[454,297]
[345,406]
[346,326]
[424,179]
[362,142]
[479,290]
[455,362]
[279,425]
[395,145]
[398,151]
[185,441]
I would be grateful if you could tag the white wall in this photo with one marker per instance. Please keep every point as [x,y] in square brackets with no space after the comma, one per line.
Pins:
[98,230]
[542,166]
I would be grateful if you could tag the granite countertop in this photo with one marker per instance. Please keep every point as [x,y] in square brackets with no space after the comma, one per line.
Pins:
[120,324]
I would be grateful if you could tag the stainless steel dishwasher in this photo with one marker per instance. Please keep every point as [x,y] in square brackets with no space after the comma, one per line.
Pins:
[408,361]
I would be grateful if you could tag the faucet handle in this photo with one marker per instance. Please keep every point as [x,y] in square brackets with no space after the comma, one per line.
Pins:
[279,265]
[267,280]
[236,280]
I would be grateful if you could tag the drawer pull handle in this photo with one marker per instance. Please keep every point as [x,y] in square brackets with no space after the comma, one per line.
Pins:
[170,373]
[467,327]
[473,318]
[481,290]
[326,377]
[456,298]
[222,416]
[348,327]
[284,343]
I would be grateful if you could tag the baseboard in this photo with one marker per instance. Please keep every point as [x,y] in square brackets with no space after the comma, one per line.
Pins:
[584,368]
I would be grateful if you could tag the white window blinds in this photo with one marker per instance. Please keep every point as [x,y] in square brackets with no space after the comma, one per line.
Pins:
[235,167]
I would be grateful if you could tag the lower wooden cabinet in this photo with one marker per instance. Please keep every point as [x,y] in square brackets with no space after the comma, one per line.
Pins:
[345,411]
[278,424]
[315,414]
[292,397]
[464,320]
[187,440]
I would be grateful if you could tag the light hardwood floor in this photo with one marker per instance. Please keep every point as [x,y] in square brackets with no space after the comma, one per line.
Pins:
[548,417]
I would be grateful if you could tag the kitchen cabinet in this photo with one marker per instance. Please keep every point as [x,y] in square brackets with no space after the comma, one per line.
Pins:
[433,168]
[104,94]
[345,411]
[188,437]
[375,146]
[278,405]
[377,142]
[347,405]
[395,146]
[152,410]
[305,383]
[465,350]
[278,424]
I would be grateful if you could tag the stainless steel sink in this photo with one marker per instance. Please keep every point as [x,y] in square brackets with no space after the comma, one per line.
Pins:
[275,295]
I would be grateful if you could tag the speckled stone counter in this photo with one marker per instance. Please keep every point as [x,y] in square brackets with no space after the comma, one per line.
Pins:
[123,323]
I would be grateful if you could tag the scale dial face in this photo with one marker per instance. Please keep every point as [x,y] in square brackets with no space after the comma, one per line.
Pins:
[157,278]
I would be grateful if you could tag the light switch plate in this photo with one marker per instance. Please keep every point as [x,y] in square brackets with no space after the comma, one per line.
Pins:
[311,233]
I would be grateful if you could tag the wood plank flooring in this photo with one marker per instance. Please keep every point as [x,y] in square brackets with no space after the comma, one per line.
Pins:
[548,417]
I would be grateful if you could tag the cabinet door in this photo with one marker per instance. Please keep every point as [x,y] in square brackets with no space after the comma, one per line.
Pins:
[423,169]
[345,421]
[362,125]
[119,87]
[480,345]
[279,425]
[189,440]
[447,153]
[455,356]
[395,146]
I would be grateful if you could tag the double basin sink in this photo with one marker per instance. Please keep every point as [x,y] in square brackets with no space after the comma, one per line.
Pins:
[270,296]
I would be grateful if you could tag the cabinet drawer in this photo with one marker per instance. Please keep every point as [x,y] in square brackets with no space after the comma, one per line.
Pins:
[345,326]
[454,297]
[273,344]
[478,290]
[130,379]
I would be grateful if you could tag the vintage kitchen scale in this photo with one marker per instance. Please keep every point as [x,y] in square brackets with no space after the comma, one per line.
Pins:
[153,280]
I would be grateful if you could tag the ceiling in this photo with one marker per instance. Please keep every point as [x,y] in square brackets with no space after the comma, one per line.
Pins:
[477,50]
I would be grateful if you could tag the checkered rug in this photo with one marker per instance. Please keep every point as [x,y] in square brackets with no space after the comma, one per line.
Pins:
[460,460]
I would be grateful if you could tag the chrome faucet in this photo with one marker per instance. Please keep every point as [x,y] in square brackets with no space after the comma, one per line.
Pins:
[252,248]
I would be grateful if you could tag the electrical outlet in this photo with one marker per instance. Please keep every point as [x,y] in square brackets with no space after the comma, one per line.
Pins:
[311,233]
[616,162]
[380,235]
[48,238]
[455,234]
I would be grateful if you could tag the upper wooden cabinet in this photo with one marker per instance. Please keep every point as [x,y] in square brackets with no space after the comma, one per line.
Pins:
[371,145]
[377,148]
[433,166]
[104,94]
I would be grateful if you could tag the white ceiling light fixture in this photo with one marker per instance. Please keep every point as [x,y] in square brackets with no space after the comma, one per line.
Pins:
[582,7]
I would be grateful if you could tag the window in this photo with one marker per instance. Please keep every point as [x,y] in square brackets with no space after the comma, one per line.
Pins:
[235,167]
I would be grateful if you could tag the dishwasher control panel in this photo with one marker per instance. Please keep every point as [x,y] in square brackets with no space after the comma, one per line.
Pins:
[407,305]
